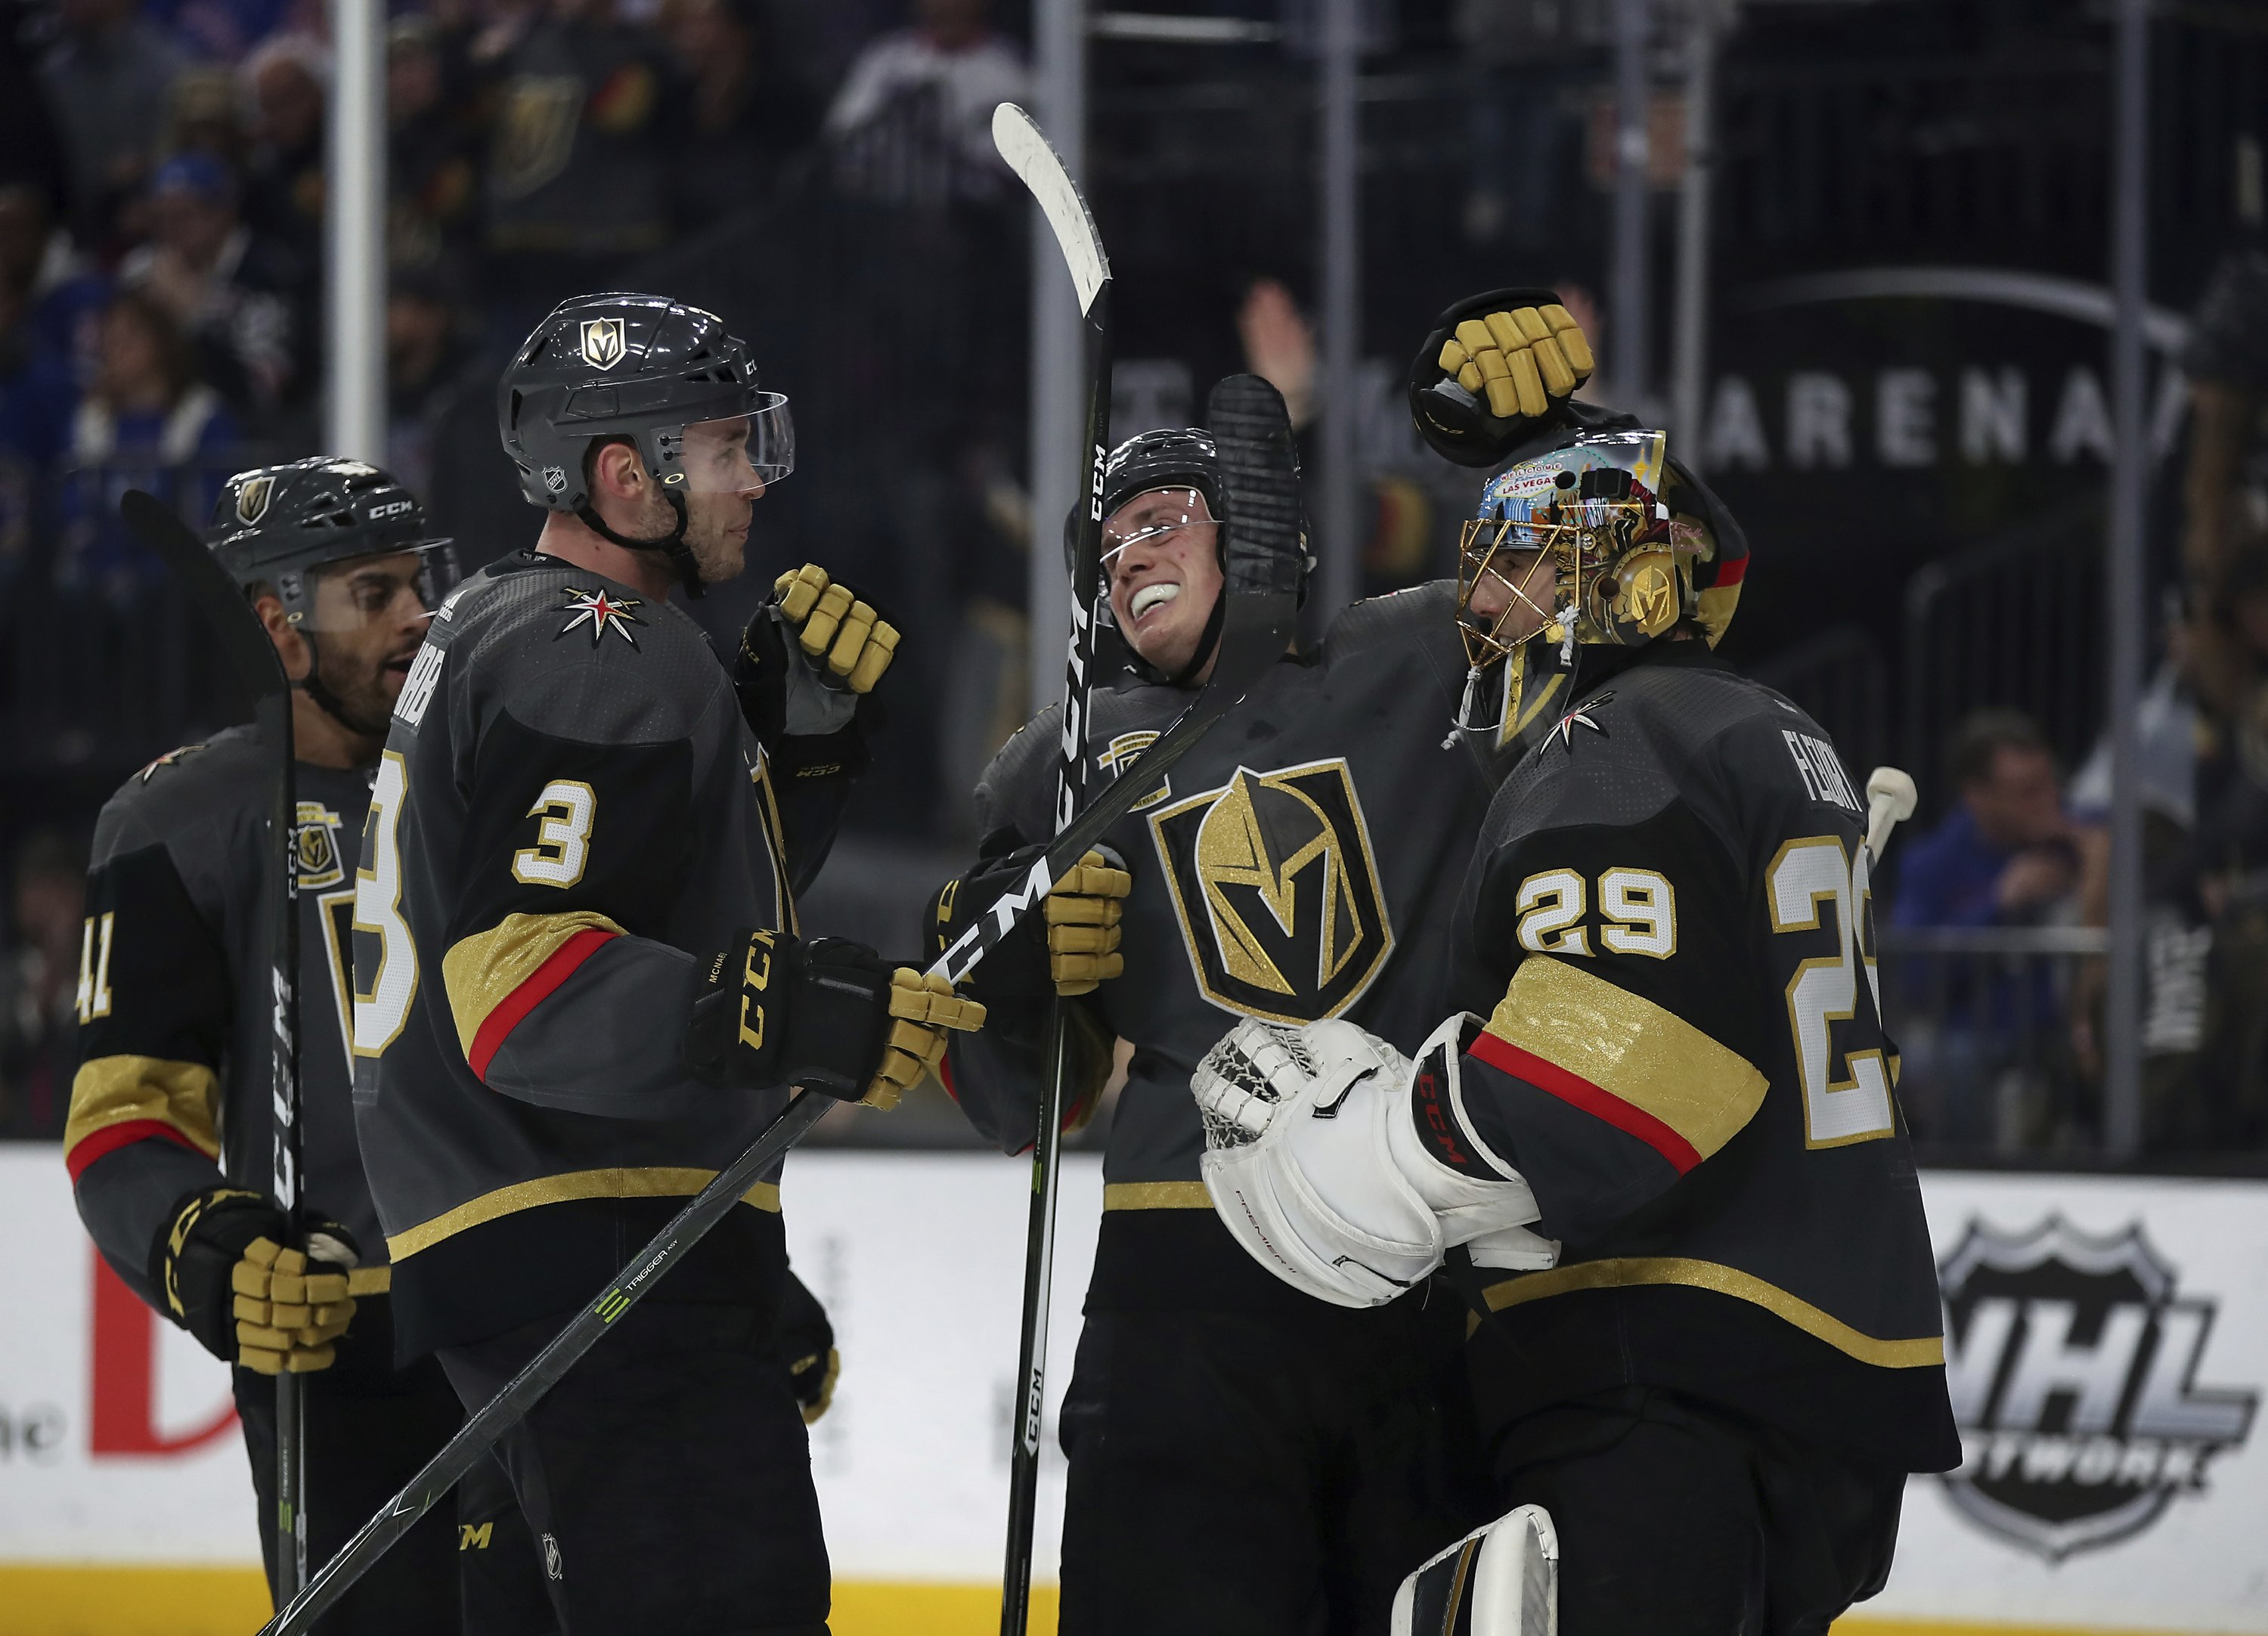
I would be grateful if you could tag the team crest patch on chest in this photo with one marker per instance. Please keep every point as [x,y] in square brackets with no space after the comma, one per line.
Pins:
[599,613]
[1276,891]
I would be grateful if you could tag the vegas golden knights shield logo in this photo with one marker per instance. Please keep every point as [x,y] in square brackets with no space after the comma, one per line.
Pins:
[1277,890]
[602,342]
[252,499]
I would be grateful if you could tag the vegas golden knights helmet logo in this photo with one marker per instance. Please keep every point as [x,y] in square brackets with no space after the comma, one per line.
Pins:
[1276,891]
[602,342]
[252,499]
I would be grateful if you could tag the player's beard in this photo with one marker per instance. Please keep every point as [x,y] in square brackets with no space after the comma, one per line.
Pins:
[353,690]
[719,555]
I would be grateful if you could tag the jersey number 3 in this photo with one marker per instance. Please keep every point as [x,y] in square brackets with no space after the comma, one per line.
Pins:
[1806,879]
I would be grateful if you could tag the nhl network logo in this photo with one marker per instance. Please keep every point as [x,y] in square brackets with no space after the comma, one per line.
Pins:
[2073,1364]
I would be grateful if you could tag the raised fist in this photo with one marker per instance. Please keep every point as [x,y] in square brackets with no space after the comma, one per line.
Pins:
[1495,372]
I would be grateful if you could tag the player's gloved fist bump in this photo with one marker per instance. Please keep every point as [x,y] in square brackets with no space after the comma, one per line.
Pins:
[1495,372]
[229,1280]
[828,1014]
[836,627]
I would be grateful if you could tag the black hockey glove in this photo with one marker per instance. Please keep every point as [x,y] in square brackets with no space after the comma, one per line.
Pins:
[807,665]
[1497,369]
[227,1278]
[830,1015]
[805,1343]
[1068,948]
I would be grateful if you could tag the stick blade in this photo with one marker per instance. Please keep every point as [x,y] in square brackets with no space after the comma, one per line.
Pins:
[1266,524]
[1027,152]
[212,591]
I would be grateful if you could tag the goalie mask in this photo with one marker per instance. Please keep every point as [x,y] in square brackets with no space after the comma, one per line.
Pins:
[659,374]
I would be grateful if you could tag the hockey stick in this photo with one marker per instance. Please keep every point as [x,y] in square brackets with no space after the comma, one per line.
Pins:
[1035,162]
[1250,627]
[244,639]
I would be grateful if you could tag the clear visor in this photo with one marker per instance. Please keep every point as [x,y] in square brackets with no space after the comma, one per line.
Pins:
[740,454]
[394,588]
[1150,516]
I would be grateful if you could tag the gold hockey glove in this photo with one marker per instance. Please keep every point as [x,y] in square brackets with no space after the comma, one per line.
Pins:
[1497,370]
[804,1342]
[1080,918]
[1083,912]
[226,1278]
[837,628]
[830,1015]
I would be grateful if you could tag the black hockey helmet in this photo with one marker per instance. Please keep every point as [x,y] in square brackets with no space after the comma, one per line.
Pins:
[275,525]
[642,368]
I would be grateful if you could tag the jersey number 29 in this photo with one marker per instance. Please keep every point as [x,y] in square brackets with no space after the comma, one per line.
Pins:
[1808,879]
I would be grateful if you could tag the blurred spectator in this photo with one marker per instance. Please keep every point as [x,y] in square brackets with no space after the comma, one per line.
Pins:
[31,148]
[220,31]
[61,299]
[580,169]
[913,120]
[207,116]
[286,82]
[35,407]
[1525,132]
[2005,856]
[109,77]
[149,422]
[434,397]
[737,106]
[230,290]
[431,182]
[2227,361]
[38,988]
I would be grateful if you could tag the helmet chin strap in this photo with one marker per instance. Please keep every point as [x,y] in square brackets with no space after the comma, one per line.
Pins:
[671,545]
[329,701]
[1207,641]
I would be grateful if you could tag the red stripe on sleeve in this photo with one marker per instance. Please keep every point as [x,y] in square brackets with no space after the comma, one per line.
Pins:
[514,1007]
[945,1077]
[125,1133]
[1550,1077]
[1730,572]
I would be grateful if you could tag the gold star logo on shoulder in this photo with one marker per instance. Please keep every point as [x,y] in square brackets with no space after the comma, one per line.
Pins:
[601,613]
[1581,717]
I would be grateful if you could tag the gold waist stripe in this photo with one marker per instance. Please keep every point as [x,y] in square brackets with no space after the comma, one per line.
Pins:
[1629,1272]
[650,1181]
[1156,1195]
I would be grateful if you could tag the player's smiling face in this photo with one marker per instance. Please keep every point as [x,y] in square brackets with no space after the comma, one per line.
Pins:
[1163,552]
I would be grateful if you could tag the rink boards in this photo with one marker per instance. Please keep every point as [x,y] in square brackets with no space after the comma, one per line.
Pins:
[2108,1354]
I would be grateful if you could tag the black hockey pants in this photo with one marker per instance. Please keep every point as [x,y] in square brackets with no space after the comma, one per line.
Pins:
[667,1477]
[1678,1519]
[1259,1474]
[469,1566]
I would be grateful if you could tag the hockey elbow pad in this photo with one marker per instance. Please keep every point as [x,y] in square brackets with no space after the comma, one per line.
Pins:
[829,1015]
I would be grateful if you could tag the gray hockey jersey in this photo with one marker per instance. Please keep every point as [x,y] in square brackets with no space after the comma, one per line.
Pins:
[1302,862]
[171,1094]
[569,813]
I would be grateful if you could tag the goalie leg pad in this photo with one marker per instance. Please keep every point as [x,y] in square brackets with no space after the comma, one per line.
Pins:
[1502,1580]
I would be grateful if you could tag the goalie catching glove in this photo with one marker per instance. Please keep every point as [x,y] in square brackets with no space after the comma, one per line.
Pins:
[1315,1162]
[808,660]
[229,1280]
[1497,370]
[830,1015]
[1082,915]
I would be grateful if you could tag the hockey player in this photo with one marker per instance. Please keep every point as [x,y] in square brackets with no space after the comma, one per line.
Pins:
[1662,1153]
[1241,1459]
[580,990]
[168,1144]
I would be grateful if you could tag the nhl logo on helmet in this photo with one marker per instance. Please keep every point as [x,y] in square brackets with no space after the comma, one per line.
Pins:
[2072,1363]
[602,342]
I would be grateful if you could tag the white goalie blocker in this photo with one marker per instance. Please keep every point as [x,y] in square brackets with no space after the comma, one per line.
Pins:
[1315,1167]
[1499,1581]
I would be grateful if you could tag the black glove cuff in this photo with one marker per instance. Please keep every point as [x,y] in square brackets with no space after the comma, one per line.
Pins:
[1014,971]
[202,1238]
[770,1010]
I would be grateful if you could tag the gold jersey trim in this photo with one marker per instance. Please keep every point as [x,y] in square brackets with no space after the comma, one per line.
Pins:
[1631,1049]
[480,972]
[1922,1351]
[646,1182]
[113,1090]
[1156,1195]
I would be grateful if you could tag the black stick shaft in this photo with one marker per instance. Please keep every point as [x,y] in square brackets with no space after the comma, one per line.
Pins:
[1047,1141]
